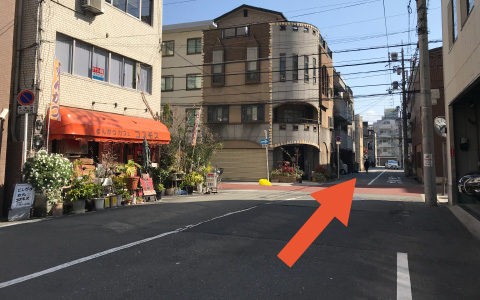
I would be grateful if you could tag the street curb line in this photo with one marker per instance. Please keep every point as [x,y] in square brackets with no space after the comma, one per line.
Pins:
[469,221]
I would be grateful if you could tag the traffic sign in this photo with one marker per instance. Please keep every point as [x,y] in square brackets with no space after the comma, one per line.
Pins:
[21,110]
[264,141]
[338,139]
[26,98]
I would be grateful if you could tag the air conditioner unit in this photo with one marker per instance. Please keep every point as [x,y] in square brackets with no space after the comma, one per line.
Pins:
[95,6]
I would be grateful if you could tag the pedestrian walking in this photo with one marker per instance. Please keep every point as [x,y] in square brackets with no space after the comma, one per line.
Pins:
[366,164]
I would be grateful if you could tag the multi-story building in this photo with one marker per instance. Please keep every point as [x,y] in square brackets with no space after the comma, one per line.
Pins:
[359,150]
[7,38]
[182,68]
[388,134]
[107,54]
[461,59]
[343,120]
[370,143]
[266,77]
[438,111]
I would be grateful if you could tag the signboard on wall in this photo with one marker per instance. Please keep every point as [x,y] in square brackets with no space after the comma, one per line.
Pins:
[98,73]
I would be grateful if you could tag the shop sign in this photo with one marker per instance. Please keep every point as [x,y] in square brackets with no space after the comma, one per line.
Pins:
[22,201]
[55,100]
[98,74]
[147,186]
[427,160]
[149,135]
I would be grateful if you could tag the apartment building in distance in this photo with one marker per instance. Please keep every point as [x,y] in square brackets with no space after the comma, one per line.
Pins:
[103,61]
[461,71]
[370,144]
[263,79]
[182,69]
[388,137]
[343,121]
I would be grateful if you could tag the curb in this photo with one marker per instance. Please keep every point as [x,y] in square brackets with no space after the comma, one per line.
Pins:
[469,221]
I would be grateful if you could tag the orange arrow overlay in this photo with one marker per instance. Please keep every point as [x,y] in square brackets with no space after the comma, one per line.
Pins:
[336,202]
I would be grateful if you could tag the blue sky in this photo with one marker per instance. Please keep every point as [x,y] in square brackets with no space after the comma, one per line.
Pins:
[345,25]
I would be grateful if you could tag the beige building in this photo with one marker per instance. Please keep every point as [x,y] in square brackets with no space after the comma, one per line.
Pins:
[109,52]
[359,149]
[7,38]
[182,69]
[461,65]
[263,80]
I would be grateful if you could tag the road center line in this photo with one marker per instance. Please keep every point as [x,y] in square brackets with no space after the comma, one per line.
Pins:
[110,251]
[376,177]
[404,289]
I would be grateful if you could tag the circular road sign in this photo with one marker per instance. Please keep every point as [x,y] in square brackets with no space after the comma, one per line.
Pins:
[338,139]
[26,98]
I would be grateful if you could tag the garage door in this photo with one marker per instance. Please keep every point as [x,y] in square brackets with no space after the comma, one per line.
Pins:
[241,164]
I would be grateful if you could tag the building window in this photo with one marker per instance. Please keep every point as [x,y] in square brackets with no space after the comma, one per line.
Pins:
[314,70]
[167,83]
[283,27]
[64,52]
[314,32]
[129,74]
[100,65]
[245,13]
[194,46]
[134,7]
[235,32]
[452,21]
[83,59]
[469,6]
[295,67]
[252,113]
[283,63]
[305,29]
[295,28]
[217,114]
[217,67]
[305,68]
[252,64]
[116,70]
[168,48]
[145,79]
[194,81]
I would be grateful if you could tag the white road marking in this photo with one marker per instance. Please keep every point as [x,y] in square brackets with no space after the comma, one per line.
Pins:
[22,222]
[110,251]
[392,179]
[404,289]
[376,178]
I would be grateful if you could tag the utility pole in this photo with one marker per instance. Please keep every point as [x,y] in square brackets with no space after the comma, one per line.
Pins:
[426,107]
[404,117]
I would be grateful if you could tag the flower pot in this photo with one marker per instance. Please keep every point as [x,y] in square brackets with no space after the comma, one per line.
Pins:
[99,202]
[57,209]
[159,195]
[128,201]
[169,192]
[199,188]
[134,200]
[132,183]
[79,206]
[189,190]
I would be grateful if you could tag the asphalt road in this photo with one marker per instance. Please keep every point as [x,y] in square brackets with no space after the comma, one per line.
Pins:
[225,246]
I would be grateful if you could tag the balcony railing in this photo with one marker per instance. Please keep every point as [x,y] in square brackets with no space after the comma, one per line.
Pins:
[294,120]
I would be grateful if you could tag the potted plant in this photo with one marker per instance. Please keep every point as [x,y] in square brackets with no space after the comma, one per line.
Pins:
[131,172]
[159,188]
[48,173]
[79,192]
[189,182]
[97,193]
[127,198]
[118,185]
[139,199]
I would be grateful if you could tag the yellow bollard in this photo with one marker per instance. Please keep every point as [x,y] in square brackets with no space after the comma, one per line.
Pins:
[264,182]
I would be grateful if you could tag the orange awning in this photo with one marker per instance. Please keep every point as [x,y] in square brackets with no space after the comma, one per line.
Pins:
[99,126]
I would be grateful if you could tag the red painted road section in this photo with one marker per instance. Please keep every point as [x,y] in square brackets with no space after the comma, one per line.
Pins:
[335,202]
[365,189]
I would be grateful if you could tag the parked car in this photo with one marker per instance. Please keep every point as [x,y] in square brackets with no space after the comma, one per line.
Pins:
[391,164]
[470,184]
